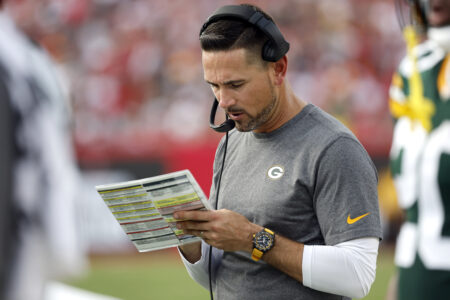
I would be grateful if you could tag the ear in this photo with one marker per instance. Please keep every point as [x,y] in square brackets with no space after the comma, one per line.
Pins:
[279,70]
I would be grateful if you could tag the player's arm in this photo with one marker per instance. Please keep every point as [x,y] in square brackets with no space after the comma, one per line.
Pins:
[346,269]
[231,231]
[191,252]
[198,269]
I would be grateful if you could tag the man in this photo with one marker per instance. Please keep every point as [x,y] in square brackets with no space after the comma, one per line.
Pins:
[420,155]
[298,213]
[38,174]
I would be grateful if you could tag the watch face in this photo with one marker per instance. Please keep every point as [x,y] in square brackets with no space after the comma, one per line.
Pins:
[263,241]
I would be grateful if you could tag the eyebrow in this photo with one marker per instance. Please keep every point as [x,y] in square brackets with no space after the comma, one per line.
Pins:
[230,82]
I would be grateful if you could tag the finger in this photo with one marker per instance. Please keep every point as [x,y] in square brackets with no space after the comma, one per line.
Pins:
[205,235]
[194,215]
[199,233]
[191,225]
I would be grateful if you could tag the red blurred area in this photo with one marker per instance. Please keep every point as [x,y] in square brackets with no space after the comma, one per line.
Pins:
[133,69]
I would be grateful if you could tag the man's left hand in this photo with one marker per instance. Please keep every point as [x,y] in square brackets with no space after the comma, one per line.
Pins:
[222,229]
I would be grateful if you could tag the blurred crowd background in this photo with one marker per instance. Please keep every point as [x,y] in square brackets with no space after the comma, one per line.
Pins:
[140,106]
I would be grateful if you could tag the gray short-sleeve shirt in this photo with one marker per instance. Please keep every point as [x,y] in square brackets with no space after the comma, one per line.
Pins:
[309,181]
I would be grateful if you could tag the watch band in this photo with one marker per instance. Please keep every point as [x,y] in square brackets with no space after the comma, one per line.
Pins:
[256,254]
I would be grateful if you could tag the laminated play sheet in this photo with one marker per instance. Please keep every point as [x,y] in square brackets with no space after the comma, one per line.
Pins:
[144,208]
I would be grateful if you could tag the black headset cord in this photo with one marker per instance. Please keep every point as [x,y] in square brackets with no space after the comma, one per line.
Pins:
[215,207]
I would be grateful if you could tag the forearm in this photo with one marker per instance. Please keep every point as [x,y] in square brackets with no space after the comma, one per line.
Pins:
[191,252]
[346,269]
[199,270]
[286,256]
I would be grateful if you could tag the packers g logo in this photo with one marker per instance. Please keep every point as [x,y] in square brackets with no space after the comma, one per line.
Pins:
[275,172]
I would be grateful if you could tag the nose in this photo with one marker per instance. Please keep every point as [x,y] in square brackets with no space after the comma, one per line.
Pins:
[225,99]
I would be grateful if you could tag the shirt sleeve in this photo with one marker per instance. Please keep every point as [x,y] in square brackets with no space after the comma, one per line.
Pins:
[346,196]
[346,269]
[199,271]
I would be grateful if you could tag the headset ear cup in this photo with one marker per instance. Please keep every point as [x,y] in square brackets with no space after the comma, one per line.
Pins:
[269,51]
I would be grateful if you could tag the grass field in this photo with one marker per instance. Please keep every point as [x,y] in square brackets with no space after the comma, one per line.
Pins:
[161,275]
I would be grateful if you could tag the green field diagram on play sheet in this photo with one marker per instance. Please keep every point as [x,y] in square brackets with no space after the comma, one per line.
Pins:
[144,208]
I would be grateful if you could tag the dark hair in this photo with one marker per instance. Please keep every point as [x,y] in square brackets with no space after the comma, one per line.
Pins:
[232,33]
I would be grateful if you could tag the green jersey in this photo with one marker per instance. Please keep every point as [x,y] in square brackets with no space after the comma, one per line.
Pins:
[420,164]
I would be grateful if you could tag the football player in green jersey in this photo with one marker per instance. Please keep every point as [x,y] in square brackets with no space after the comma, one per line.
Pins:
[420,153]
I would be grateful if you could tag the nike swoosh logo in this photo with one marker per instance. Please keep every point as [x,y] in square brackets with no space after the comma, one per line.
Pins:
[351,221]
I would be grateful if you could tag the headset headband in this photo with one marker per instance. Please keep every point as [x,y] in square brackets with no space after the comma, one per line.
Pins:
[274,49]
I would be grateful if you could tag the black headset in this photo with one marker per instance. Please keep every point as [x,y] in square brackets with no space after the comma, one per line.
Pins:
[274,49]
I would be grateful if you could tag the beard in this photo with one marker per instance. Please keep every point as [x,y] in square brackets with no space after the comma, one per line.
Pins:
[254,122]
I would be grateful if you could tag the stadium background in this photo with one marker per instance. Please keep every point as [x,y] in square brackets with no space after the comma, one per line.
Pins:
[140,107]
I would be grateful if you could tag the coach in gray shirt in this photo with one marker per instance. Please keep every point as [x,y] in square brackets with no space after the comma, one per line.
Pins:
[297,214]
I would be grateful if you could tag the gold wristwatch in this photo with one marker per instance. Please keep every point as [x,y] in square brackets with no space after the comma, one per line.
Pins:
[263,241]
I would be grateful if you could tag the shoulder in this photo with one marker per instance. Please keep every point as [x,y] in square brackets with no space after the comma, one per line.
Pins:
[428,55]
[335,139]
[327,129]
[323,138]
